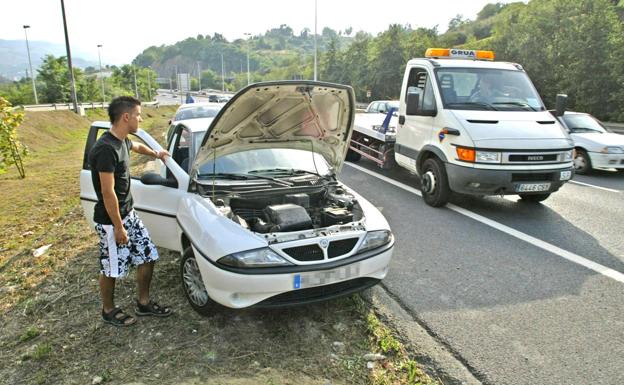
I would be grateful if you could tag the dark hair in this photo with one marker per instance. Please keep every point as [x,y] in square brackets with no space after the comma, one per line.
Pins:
[120,106]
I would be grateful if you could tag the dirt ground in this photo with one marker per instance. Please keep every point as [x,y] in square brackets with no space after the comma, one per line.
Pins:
[52,333]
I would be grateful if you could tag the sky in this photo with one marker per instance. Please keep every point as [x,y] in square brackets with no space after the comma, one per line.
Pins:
[125,28]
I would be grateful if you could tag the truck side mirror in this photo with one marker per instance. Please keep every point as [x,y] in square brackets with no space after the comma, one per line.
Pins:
[560,105]
[412,103]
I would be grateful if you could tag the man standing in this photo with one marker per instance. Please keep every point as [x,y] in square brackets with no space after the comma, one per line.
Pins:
[124,241]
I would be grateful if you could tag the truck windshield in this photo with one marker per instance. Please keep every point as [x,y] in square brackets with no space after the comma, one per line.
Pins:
[487,89]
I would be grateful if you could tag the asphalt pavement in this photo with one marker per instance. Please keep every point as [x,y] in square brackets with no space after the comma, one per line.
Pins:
[519,293]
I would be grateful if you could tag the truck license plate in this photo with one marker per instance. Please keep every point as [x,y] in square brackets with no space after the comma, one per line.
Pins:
[565,175]
[532,187]
[325,277]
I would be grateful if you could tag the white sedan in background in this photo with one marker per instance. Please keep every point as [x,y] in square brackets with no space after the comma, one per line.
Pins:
[260,218]
[595,146]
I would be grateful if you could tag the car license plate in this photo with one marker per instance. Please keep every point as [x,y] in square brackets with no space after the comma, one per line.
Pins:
[565,175]
[532,187]
[318,278]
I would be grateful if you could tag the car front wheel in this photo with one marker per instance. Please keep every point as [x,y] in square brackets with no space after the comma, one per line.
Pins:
[582,162]
[434,183]
[193,285]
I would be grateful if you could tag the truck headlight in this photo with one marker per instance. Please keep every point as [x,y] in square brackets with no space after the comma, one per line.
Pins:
[264,257]
[568,155]
[612,150]
[375,239]
[487,157]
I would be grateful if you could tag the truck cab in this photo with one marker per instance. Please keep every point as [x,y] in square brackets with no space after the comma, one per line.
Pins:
[475,126]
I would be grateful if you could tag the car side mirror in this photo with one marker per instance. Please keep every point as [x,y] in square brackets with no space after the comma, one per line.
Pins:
[150,178]
[413,100]
[560,105]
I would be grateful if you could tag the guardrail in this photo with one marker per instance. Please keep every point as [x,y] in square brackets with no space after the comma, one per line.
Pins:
[69,106]
[618,128]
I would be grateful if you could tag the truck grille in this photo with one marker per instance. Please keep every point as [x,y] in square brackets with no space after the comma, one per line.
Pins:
[341,247]
[533,158]
[305,253]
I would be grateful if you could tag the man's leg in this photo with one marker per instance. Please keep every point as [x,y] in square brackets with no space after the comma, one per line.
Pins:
[107,292]
[144,279]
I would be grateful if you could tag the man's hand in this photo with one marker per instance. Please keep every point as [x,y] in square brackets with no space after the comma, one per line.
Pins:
[161,154]
[121,236]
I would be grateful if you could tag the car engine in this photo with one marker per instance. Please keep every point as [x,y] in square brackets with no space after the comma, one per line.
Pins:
[270,212]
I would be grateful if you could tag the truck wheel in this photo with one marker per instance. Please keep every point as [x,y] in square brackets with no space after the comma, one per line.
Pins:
[582,162]
[434,183]
[534,198]
[353,156]
[193,285]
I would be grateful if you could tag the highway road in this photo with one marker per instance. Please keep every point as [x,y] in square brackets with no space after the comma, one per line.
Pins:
[519,293]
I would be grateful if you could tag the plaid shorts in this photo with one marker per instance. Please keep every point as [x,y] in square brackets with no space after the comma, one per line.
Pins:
[116,259]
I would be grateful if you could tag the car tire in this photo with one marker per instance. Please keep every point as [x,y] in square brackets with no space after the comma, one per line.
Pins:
[353,156]
[434,183]
[534,198]
[582,162]
[193,285]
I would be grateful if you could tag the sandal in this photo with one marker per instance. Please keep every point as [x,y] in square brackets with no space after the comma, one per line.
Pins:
[153,309]
[117,317]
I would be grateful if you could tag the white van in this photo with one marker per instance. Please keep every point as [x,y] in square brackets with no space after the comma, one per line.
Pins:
[475,126]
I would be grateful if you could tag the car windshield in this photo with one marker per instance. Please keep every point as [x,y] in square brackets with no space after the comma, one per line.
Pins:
[583,123]
[273,162]
[487,89]
[196,112]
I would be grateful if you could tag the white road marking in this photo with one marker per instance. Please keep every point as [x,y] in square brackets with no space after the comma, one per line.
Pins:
[607,272]
[598,187]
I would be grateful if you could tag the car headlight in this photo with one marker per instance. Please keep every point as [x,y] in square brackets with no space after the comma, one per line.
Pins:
[375,239]
[264,257]
[487,157]
[612,150]
[568,155]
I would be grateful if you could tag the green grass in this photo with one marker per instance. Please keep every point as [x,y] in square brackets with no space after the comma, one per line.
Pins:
[29,334]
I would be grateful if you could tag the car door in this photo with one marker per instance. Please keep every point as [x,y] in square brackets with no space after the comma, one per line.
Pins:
[416,125]
[155,199]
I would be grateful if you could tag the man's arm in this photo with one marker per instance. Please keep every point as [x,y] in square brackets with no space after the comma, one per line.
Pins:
[107,183]
[143,149]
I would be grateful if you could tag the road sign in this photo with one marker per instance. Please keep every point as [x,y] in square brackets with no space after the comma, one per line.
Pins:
[369,93]
[184,82]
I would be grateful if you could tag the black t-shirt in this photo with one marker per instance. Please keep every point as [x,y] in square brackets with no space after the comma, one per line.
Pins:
[110,154]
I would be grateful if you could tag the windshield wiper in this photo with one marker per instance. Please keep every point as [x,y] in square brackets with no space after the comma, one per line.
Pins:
[585,129]
[520,104]
[470,104]
[287,171]
[235,176]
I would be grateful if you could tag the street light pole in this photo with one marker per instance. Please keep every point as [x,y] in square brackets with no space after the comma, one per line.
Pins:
[149,84]
[222,75]
[315,77]
[32,74]
[248,77]
[101,75]
[198,78]
[136,90]
[72,84]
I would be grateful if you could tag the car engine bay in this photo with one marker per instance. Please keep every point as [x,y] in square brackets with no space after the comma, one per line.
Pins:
[289,209]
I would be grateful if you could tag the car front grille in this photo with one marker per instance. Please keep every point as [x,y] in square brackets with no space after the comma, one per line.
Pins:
[341,247]
[305,253]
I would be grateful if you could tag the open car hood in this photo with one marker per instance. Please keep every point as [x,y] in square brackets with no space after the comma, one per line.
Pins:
[302,115]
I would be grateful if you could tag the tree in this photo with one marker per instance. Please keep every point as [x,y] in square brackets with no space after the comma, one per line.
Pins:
[11,149]
[53,75]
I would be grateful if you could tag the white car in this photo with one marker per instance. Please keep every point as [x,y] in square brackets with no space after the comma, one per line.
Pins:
[260,219]
[595,146]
